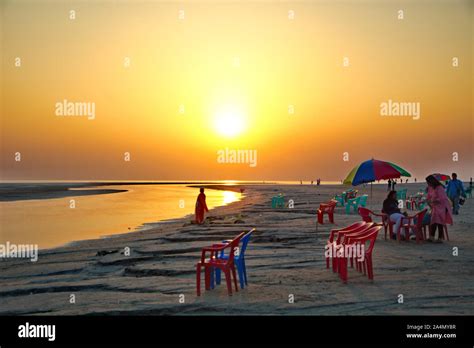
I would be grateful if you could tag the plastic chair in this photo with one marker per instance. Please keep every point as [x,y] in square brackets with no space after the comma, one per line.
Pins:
[468,192]
[363,200]
[411,224]
[331,243]
[367,236]
[239,260]
[354,203]
[278,201]
[326,208]
[426,232]
[402,194]
[340,200]
[366,215]
[225,265]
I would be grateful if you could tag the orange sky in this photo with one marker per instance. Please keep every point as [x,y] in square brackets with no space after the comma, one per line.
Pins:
[244,55]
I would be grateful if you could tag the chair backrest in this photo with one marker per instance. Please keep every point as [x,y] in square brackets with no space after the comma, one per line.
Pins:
[234,244]
[356,234]
[343,235]
[419,218]
[371,236]
[350,227]
[363,199]
[365,214]
[245,240]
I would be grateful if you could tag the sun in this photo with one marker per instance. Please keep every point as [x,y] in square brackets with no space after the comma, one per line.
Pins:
[229,121]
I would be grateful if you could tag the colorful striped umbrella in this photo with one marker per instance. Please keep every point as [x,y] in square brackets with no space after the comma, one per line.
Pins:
[441,177]
[373,170]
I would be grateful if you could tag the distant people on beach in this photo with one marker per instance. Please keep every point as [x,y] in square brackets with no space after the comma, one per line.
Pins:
[318,182]
[455,190]
[440,208]
[201,206]
[394,183]
[390,207]
[389,188]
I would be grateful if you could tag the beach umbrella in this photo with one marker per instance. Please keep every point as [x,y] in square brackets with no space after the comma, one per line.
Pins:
[372,170]
[441,177]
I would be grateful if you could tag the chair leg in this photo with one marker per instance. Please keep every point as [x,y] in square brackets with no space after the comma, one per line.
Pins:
[241,274]
[228,281]
[212,278]
[244,268]
[343,269]
[235,278]
[207,277]
[370,270]
[198,279]
[218,276]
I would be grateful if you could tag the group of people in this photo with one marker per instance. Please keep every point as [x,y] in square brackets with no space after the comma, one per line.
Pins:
[442,202]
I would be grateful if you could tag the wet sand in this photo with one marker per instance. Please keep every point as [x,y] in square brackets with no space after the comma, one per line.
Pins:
[285,258]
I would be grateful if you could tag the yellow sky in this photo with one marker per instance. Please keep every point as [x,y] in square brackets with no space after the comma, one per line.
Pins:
[244,55]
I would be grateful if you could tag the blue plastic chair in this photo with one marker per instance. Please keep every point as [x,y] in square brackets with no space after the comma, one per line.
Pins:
[239,261]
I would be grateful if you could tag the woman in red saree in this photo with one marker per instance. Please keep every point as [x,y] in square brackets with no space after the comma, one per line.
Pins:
[201,207]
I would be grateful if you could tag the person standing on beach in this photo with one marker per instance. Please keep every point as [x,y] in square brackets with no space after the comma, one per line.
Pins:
[389,188]
[440,208]
[201,206]
[455,190]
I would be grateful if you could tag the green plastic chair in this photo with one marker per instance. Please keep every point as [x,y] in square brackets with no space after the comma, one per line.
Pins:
[352,202]
[362,202]
[402,194]
[340,200]
[468,192]
[278,201]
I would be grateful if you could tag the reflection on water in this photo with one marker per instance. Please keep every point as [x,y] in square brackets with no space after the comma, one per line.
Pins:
[51,222]
[230,196]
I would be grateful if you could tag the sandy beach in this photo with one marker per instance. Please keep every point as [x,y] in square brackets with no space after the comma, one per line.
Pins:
[285,258]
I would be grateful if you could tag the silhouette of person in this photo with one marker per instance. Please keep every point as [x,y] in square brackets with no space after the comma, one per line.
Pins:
[201,206]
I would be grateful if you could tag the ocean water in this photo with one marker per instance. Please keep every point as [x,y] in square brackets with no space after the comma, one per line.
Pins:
[52,222]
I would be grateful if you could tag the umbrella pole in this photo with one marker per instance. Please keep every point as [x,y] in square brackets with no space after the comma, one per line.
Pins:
[371,207]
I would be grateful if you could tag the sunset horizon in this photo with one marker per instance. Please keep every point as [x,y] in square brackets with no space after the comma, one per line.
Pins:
[171,168]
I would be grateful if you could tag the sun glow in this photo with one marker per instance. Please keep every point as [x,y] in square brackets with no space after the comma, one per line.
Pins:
[229,122]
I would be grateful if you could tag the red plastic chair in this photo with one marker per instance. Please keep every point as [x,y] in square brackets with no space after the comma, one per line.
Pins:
[227,266]
[367,214]
[417,227]
[370,236]
[355,227]
[426,231]
[326,208]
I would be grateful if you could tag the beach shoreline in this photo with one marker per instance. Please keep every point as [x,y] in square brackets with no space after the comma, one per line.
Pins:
[285,257]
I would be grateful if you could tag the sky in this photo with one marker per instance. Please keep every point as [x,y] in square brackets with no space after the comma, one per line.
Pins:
[295,85]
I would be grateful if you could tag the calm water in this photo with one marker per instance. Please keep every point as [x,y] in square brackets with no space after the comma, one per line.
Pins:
[51,222]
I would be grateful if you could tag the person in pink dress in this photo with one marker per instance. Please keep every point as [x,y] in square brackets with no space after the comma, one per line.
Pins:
[440,208]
